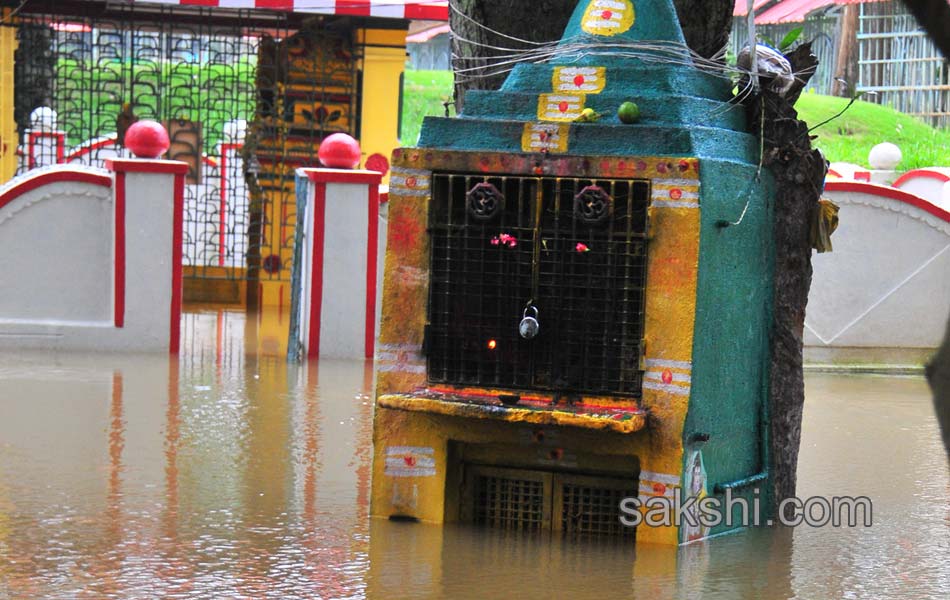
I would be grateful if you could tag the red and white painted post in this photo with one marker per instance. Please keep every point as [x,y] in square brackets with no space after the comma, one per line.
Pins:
[99,256]
[340,263]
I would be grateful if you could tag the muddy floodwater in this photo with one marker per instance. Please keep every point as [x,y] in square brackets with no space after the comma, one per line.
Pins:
[227,473]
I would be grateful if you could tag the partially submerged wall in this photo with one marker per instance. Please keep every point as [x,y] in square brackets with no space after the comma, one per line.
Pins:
[92,258]
[887,282]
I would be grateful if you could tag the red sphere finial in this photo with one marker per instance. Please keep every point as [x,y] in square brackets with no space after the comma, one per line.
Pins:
[147,139]
[339,151]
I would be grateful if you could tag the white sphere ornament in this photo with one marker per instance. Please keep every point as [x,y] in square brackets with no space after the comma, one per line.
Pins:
[884,157]
[43,119]
[235,131]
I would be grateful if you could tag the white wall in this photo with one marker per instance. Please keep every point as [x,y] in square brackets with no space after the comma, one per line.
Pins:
[59,282]
[57,254]
[887,283]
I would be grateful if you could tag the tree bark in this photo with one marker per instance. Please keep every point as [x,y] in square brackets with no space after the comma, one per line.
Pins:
[934,17]
[846,67]
[537,21]
[706,24]
[799,172]
[938,374]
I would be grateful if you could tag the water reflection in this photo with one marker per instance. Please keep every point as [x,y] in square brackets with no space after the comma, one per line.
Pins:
[230,473]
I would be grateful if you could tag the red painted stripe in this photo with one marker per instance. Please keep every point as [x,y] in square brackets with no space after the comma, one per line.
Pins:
[432,11]
[924,173]
[174,337]
[341,176]
[222,215]
[119,285]
[223,175]
[31,150]
[139,165]
[60,148]
[887,192]
[359,8]
[428,12]
[275,4]
[372,248]
[316,271]
[31,182]
[88,149]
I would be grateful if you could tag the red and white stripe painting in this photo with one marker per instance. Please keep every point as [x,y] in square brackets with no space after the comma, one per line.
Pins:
[391,9]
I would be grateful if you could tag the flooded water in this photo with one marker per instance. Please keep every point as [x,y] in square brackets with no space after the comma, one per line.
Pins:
[227,473]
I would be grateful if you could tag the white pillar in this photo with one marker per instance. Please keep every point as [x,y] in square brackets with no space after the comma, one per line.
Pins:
[340,264]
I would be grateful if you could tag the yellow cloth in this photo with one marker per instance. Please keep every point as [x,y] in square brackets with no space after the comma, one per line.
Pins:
[825,223]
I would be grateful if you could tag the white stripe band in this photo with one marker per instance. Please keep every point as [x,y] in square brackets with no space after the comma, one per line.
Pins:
[672,364]
[674,204]
[659,478]
[609,4]
[661,387]
[401,368]
[665,194]
[658,377]
[687,183]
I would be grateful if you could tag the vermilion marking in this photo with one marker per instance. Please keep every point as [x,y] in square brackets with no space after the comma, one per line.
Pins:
[372,267]
[174,339]
[563,106]
[667,377]
[607,15]
[676,194]
[316,264]
[119,252]
[579,80]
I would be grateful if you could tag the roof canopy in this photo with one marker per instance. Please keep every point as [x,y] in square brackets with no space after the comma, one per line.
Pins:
[392,9]
[785,11]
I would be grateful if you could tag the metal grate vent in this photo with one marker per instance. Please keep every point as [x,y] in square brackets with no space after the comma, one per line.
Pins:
[594,509]
[574,249]
[526,500]
[509,503]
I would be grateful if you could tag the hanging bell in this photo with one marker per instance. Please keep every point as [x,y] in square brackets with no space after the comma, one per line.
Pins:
[529,326]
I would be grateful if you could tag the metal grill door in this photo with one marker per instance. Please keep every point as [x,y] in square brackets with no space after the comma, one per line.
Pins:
[533,501]
[573,249]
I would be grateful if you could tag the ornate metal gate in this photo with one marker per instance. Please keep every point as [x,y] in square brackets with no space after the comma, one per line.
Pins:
[245,100]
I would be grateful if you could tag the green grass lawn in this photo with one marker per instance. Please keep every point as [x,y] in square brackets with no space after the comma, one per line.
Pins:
[424,93]
[851,136]
[848,138]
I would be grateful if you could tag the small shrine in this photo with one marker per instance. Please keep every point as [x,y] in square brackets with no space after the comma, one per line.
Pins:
[577,293]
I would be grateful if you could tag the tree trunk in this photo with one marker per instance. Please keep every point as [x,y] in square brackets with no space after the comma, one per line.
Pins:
[938,373]
[934,17]
[472,36]
[846,67]
[799,173]
[706,24]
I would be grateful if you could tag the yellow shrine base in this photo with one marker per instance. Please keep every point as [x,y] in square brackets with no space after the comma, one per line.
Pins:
[427,444]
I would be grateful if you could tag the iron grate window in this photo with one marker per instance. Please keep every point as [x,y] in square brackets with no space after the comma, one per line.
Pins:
[574,249]
[508,503]
[594,510]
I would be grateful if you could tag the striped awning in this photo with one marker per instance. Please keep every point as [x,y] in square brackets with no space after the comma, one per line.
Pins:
[768,12]
[391,9]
